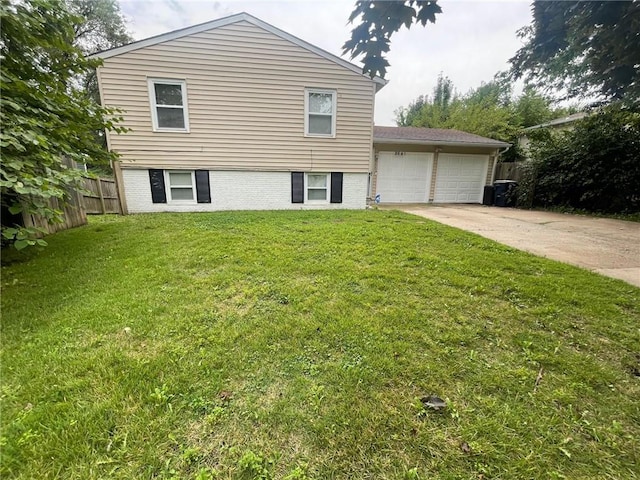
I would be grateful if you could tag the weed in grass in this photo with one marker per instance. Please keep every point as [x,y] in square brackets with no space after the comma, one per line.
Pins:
[298,473]
[206,474]
[255,466]
[412,474]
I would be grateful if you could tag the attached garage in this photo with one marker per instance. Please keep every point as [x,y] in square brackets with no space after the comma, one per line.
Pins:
[404,177]
[422,165]
[460,178]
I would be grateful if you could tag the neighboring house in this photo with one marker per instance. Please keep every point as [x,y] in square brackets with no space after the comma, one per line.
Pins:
[559,124]
[235,114]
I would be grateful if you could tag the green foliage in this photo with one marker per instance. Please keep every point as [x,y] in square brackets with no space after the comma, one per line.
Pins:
[47,122]
[255,466]
[489,110]
[583,47]
[533,108]
[593,166]
[379,20]
[426,111]
[485,111]
[99,25]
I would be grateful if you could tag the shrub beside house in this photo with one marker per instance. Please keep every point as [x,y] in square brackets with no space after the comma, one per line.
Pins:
[593,165]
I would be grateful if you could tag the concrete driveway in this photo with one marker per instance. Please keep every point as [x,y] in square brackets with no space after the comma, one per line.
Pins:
[609,247]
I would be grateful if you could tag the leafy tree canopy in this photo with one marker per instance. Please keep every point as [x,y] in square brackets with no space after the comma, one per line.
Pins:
[489,110]
[583,48]
[100,25]
[45,119]
[379,20]
[428,111]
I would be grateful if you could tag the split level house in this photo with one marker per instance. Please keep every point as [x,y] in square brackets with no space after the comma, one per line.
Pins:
[235,114]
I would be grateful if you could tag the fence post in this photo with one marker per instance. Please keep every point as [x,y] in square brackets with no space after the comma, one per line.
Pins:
[102,205]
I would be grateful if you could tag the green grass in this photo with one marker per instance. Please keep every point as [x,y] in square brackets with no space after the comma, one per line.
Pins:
[298,345]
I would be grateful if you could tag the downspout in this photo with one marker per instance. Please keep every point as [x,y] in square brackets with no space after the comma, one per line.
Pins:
[495,163]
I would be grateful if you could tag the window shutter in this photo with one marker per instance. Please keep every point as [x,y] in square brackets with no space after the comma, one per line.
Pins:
[297,187]
[158,192]
[202,186]
[336,187]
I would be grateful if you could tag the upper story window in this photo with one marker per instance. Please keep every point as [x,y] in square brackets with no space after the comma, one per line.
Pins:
[169,105]
[320,113]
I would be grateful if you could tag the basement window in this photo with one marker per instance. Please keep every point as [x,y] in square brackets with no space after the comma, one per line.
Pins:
[317,187]
[181,186]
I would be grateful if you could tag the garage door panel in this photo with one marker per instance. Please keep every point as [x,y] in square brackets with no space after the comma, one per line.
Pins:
[460,178]
[404,178]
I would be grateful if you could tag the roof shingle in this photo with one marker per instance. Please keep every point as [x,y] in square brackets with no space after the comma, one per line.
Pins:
[432,136]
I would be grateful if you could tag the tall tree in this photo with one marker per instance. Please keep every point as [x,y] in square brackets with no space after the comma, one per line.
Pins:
[533,108]
[443,93]
[45,119]
[99,25]
[484,111]
[489,110]
[379,20]
[428,111]
[583,48]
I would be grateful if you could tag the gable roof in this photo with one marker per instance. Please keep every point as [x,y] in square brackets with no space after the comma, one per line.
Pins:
[432,136]
[221,22]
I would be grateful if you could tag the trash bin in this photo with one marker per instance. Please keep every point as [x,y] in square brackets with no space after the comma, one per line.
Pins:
[504,193]
[487,198]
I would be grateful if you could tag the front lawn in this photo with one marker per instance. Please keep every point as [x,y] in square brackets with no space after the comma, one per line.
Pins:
[299,345]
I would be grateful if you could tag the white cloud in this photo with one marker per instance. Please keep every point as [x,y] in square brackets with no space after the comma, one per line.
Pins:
[470,41]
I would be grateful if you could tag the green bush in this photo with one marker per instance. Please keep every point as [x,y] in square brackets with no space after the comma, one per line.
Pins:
[595,166]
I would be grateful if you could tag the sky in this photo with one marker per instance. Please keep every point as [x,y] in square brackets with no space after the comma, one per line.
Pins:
[469,43]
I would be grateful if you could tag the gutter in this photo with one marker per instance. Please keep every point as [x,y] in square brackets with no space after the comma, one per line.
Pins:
[495,164]
[383,141]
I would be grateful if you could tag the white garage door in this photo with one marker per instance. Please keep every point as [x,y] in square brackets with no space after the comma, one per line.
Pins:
[404,177]
[460,178]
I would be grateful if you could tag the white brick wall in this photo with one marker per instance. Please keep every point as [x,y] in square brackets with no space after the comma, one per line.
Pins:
[241,190]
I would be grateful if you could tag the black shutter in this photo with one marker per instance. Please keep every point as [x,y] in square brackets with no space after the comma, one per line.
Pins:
[297,187]
[158,192]
[336,187]
[202,186]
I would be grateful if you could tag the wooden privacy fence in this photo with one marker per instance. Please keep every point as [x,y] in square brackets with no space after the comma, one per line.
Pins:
[103,196]
[74,215]
[509,171]
[100,196]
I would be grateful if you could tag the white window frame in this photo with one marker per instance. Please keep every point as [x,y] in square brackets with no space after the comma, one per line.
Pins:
[306,187]
[334,95]
[151,83]
[167,182]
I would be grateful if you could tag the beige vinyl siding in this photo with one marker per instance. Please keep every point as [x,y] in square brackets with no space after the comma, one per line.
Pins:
[245,89]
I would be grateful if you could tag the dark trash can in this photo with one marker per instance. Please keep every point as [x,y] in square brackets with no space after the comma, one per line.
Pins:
[487,198]
[505,193]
